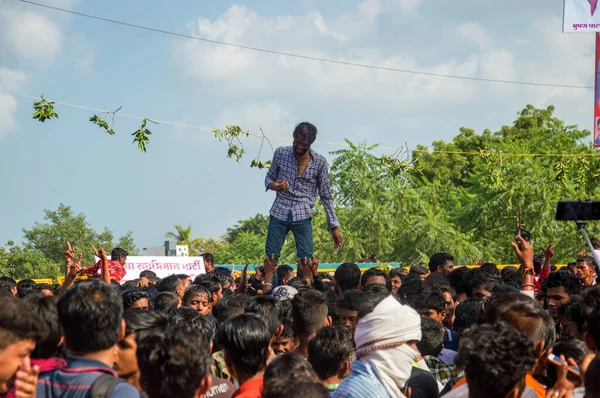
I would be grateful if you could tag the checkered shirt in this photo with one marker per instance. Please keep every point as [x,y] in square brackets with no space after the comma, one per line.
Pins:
[301,195]
[442,372]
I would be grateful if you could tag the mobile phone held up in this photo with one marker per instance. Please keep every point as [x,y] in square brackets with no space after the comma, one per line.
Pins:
[558,362]
[525,234]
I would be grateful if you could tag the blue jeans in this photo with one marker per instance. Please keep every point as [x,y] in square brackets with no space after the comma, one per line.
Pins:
[302,231]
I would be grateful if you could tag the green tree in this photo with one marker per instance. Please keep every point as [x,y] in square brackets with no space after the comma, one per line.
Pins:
[63,225]
[20,262]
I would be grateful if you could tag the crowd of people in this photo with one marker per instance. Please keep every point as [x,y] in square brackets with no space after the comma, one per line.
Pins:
[429,331]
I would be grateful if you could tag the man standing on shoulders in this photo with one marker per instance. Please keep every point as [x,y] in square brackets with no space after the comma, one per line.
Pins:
[297,172]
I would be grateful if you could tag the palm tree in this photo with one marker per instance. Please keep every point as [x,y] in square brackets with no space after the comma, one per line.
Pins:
[183,236]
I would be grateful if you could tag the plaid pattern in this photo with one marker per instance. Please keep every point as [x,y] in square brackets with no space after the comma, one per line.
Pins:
[301,195]
[442,372]
[115,269]
[218,367]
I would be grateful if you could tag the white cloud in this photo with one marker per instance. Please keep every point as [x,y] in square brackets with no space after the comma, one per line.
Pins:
[11,81]
[409,5]
[475,33]
[34,37]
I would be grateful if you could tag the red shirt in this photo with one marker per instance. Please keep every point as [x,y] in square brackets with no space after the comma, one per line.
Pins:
[250,389]
[116,270]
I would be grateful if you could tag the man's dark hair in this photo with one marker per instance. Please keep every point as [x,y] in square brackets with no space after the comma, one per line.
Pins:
[173,363]
[195,321]
[283,272]
[370,301]
[588,260]
[25,287]
[229,307]
[246,340]
[291,388]
[570,348]
[491,269]
[90,314]
[595,241]
[288,331]
[432,337]
[118,254]
[131,296]
[592,379]
[290,365]
[431,300]
[376,272]
[208,258]
[45,308]
[347,276]
[183,277]
[309,311]
[435,279]
[573,311]
[165,301]
[144,323]
[411,287]
[590,306]
[512,275]
[470,312]
[397,272]
[6,287]
[148,274]
[418,269]
[495,359]
[329,349]
[8,280]
[566,280]
[445,289]
[352,299]
[523,314]
[18,322]
[211,282]
[300,284]
[306,130]
[268,308]
[374,288]
[459,281]
[438,260]
[195,290]
[169,284]
[489,282]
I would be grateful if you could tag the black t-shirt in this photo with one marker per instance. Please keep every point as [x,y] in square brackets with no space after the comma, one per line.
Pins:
[422,384]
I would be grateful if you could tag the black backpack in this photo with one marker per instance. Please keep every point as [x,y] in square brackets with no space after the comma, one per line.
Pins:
[104,386]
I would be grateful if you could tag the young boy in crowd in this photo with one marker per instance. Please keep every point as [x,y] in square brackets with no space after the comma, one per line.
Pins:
[433,305]
[197,298]
[329,354]
[246,340]
[91,317]
[138,324]
[285,342]
[309,311]
[349,306]
[20,329]
[174,363]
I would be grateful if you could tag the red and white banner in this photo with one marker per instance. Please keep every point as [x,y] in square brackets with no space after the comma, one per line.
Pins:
[163,266]
[597,95]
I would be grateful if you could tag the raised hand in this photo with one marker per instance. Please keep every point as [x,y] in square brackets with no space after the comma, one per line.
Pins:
[69,254]
[26,380]
[143,282]
[269,265]
[525,253]
[549,252]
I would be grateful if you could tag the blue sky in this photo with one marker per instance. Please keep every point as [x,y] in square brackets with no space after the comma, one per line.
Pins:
[185,178]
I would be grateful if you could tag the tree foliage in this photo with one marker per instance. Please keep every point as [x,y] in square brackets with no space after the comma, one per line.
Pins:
[465,196]
[41,253]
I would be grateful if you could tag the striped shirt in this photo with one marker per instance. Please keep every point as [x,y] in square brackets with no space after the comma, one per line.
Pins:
[301,195]
[76,379]
[361,382]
